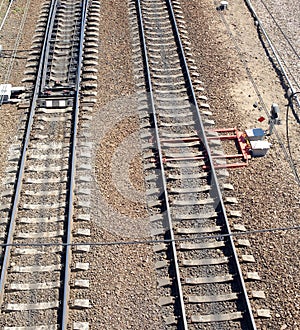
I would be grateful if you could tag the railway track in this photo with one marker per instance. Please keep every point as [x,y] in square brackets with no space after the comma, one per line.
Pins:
[200,280]
[37,209]
[199,276]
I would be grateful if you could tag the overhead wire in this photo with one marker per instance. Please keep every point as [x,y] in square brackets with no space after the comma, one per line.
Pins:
[288,41]
[166,241]
[1,4]
[17,40]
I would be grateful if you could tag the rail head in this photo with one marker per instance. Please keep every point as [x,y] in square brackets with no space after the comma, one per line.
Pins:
[251,320]
[39,83]
[66,285]
[201,132]
[183,317]
[18,186]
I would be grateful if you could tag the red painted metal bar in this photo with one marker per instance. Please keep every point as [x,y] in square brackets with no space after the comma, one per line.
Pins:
[233,165]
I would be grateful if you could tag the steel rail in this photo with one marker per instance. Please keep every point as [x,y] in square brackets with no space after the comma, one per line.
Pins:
[66,288]
[163,176]
[46,54]
[221,207]
[16,197]
[251,320]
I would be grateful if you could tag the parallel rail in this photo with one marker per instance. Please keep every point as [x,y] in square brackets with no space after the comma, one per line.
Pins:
[56,100]
[167,107]
[72,171]
[161,166]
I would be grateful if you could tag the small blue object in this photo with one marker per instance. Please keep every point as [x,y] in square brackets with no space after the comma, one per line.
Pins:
[255,134]
[259,132]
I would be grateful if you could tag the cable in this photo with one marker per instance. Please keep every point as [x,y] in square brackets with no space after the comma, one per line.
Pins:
[262,30]
[15,48]
[6,14]
[166,241]
[240,54]
[289,105]
[280,29]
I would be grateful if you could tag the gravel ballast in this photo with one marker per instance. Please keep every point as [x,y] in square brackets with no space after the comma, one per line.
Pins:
[267,192]
[122,278]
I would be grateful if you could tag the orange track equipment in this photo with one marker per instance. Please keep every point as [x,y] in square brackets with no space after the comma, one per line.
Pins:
[243,143]
[239,136]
